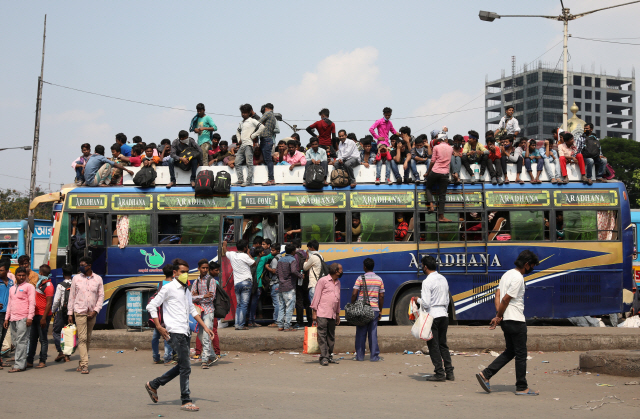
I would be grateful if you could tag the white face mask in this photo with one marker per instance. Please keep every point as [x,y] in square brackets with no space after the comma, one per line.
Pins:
[185,141]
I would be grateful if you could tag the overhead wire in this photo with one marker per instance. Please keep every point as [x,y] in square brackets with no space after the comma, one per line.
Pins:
[605,41]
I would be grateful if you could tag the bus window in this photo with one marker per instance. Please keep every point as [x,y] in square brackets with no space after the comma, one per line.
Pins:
[518,225]
[589,225]
[403,227]
[188,228]
[472,226]
[229,230]
[291,227]
[263,225]
[131,230]
[320,226]
[372,227]
[430,230]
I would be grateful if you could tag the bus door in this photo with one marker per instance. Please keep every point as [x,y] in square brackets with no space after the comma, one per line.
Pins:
[96,248]
[230,231]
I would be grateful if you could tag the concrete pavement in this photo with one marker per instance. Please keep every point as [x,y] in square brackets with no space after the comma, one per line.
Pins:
[399,338]
[259,385]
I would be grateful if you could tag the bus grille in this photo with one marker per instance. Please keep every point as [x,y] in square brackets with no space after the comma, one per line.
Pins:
[483,289]
[584,288]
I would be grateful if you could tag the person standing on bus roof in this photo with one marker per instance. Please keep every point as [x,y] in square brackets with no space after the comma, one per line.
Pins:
[204,292]
[375,292]
[244,155]
[204,126]
[241,263]
[177,304]
[326,130]
[24,261]
[21,308]
[85,301]
[434,300]
[5,284]
[384,126]
[509,302]
[326,312]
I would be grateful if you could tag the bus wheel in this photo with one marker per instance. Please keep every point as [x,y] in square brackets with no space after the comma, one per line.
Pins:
[401,309]
[118,319]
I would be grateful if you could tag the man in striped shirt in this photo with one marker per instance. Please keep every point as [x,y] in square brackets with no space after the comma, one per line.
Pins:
[203,291]
[375,291]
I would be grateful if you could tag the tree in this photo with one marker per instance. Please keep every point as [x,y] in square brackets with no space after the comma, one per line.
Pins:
[624,156]
[14,205]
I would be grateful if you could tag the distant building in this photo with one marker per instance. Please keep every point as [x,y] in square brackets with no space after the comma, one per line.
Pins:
[606,101]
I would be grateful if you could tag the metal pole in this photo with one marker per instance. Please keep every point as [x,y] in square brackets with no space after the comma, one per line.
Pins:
[565,106]
[36,133]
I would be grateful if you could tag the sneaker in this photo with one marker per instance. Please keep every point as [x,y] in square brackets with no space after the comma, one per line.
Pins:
[399,181]
[389,182]
[245,184]
[494,181]
[450,377]
[214,360]
[237,184]
[436,378]
[324,362]
[170,363]
[377,181]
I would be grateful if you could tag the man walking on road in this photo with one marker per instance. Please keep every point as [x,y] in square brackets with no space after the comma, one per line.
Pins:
[434,300]
[177,304]
[204,292]
[326,312]
[85,301]
[20,311]
[509,303]
[375,291]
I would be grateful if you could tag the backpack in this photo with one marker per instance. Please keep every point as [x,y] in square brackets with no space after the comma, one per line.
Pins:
[189,153]
[222,184]
[67,290]
[204,183]
[339,178]
[591,148]
[609,173]
[145,177]
[221,303]
[324,268]
[314,176]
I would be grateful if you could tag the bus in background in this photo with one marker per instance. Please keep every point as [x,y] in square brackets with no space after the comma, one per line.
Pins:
[635,224]
[581,234]
[13,241]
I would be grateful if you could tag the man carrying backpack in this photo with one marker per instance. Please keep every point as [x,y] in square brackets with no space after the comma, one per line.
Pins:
[59,308]
[315,266]
[592,153]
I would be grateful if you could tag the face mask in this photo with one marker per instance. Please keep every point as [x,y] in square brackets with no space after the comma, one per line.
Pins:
[186,140]
[340,275]
[82,269]
[420,150]
[183,278]
[528,271]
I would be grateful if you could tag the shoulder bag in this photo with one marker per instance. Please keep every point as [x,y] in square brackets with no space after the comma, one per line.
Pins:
[360,313]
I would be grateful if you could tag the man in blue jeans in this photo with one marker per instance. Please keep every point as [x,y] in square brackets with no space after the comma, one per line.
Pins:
[179,145]
[375,292]
[288,273]
[267,135]
[177,304]
[241,263]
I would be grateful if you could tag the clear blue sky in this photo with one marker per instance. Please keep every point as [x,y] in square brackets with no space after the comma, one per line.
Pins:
[354,57]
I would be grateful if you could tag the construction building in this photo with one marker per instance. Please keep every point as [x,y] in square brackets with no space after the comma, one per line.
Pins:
[608,102]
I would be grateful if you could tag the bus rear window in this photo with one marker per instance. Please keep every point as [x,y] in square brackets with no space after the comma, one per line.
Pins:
[588,225]
[188,229]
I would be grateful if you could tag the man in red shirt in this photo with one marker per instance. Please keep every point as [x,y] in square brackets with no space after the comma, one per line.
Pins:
[135,160]
[495,169]
[326,129]
[42,318]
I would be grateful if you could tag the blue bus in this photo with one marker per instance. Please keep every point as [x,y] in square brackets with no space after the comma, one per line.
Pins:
[581,234]
[14,241]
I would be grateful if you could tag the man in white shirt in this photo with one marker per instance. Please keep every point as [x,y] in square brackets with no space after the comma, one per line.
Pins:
[509,123]
[313,264]
[435,301]
[248,127]
[176,301]
[348,158]
[509,303]
[241,263]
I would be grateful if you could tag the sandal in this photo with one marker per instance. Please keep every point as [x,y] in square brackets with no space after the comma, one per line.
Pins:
[60,358]
[483,383]
[152,393]
[15,370]
[528,393]
[205,366]
[79,369]
[85,370]
[41,365]
[242,328]
[273,325]
[189,407]
[67,358]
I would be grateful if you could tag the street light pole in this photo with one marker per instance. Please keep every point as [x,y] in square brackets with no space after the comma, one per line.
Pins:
[564,17]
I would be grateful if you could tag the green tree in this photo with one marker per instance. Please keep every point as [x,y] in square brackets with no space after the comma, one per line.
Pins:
[14,205]
[624,156]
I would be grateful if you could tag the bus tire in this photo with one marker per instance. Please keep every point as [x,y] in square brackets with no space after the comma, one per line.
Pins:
[401,308]
[118,319]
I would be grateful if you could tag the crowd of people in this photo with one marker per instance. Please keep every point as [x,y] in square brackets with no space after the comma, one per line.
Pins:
[399,152]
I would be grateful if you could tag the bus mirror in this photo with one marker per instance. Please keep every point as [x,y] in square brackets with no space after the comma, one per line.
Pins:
[31,223]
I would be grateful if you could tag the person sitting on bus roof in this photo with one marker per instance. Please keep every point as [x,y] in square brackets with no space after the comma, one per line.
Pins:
[420,154]
[532,155]
[494,164]
[569,154]
[474,152]
[316,155]
[125,148]
[79,163]
[456,158]
[258,159]
[116,174]
[293,156]
[150,156]
[97,171]
[367,156]
[402,229]
[220,158]
[179,145]
[511,154]
[383,156]
[348,158]
[401,157]
[281,150]
[135,160]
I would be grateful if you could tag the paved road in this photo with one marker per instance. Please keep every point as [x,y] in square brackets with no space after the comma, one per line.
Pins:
[282,385]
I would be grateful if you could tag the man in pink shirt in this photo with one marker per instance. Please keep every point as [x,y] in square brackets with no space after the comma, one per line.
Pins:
[85,301]
[383,125]
[326,311]
[438,174]
[293,156]
[20,311]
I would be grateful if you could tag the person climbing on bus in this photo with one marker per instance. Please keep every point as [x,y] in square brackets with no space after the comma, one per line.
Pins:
[402,228]
[438,174]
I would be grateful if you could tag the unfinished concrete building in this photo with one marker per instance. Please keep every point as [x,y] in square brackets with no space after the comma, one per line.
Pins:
[536,93]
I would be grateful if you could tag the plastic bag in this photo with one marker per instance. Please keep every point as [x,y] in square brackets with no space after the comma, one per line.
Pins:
[413,308]
[422,327]
[311,341]
[69,339]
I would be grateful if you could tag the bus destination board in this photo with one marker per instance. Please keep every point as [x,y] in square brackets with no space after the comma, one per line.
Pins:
[87,201]
[510,199]
[302,200]
[188,202]
[586,198]
[363,200]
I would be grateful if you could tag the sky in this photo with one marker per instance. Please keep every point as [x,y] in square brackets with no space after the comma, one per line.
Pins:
[424,59]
